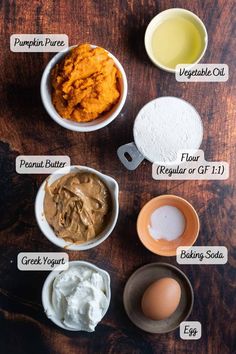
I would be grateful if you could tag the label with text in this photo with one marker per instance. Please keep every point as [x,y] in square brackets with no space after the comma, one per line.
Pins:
[31,261]
[202,73]
[190,330]
[191,165]
[40,164]
[30,43]
[202,255]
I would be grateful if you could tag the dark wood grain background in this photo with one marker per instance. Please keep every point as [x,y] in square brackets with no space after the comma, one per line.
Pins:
[27,129]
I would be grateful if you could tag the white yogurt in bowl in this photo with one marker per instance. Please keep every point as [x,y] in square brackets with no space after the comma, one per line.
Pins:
[78,298]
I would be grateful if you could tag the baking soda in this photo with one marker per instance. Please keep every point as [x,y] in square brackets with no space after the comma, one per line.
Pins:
[166,222]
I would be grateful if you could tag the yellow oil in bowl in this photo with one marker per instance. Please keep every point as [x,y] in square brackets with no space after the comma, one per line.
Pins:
[175,36]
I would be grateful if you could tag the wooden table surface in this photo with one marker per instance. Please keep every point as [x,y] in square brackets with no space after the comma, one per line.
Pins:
[27,129]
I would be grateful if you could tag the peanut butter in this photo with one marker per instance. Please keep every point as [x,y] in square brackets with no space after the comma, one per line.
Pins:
[77,206]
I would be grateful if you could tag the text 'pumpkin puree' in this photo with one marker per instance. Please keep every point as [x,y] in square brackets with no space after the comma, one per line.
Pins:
[85,84]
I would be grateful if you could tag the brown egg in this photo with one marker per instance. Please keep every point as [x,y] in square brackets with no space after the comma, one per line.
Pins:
[161,299]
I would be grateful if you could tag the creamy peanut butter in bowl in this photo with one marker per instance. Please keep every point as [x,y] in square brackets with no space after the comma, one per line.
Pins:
[77,207]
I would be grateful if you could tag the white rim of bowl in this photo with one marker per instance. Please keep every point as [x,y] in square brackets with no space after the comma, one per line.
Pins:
[59,242]
[147,38]
[66,123]
[49,281]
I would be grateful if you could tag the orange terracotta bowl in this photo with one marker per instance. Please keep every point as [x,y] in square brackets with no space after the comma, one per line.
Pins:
[164,247]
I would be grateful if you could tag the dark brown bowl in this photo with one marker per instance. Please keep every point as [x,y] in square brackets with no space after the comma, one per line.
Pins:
[140,281]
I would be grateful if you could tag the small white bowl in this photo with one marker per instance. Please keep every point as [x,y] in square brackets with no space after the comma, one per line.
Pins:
[46,89]
[47,292]
[48,231]
[161,17]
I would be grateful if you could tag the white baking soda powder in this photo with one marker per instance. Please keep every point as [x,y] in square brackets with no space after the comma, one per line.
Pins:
[165,126]
[166,222]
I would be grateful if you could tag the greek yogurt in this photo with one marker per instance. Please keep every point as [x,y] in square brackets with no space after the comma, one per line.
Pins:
[80,297]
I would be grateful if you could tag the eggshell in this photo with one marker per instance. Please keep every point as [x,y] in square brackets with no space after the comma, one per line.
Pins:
[161,299]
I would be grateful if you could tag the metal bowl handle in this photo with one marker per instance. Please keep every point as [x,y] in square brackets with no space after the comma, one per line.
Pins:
[130,156]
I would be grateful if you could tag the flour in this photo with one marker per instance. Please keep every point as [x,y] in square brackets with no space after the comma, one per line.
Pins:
[165,126]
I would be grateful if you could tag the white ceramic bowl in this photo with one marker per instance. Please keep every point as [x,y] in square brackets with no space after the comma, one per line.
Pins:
[47,292]
[96,124]
[47,229]
[162,16]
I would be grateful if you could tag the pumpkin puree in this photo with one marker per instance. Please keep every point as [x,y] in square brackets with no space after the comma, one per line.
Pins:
[85,84]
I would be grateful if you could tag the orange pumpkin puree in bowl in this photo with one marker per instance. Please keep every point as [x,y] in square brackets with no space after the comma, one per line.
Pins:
[85,84]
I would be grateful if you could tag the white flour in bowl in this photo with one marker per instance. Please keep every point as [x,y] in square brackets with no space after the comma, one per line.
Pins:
[165,126]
